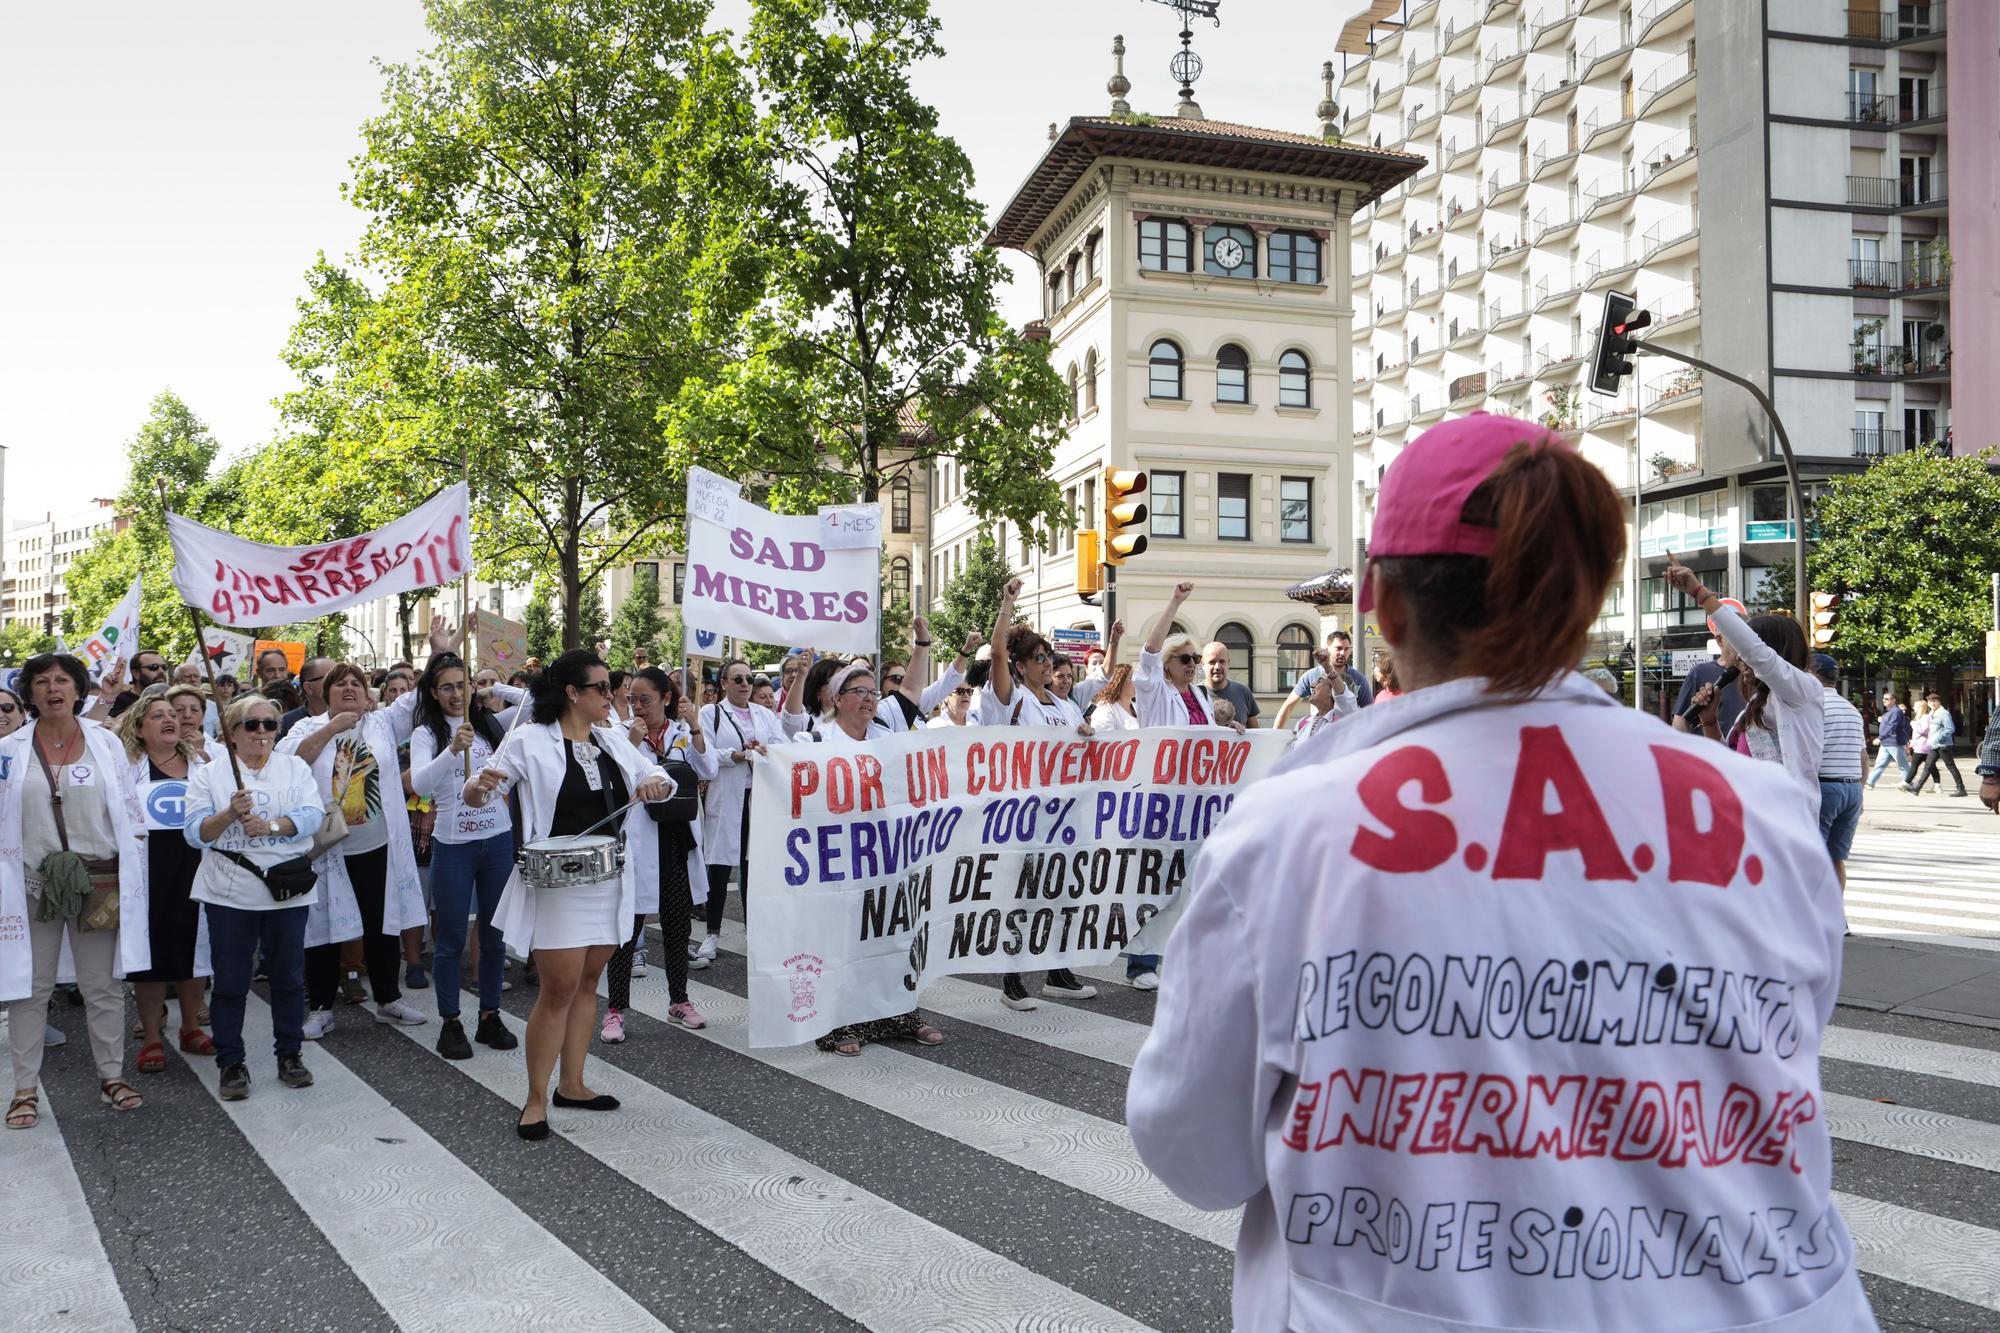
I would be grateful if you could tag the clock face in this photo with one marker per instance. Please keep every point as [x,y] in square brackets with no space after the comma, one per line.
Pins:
[1228,252]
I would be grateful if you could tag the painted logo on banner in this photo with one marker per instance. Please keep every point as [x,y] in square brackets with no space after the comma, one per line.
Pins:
[803,971]
[704,638]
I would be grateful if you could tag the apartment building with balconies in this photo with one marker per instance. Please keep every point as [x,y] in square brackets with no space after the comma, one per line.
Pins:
[1792,159]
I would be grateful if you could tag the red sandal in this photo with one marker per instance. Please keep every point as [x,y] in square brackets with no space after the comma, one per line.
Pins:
[197,1042]
[153,1058]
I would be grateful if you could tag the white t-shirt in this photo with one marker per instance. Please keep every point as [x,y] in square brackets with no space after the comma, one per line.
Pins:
[1024,709]
[368,786]
[1538,1049]
[283,788]
[440,775]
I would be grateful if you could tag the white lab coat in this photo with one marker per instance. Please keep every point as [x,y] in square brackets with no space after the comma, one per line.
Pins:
[1159,704]
[105,754]
[1325,1052]
[722,810]
[535,756]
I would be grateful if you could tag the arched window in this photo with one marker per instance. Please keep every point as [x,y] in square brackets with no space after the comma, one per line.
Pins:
[1295,654]
[899,579]
[1232,375]
[1165,378]
[1074,388]
[1241,645]
[1090,380]
[1294,380]
[899,506]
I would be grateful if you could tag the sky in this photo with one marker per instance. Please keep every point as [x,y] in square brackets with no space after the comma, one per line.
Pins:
[173,168]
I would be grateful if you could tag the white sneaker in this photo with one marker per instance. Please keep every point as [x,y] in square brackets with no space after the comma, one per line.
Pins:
[318,1023]
[709,944]
[694,950]
[1146,981]
[397,1011]
[638,963]
[52,1037]
[697,962]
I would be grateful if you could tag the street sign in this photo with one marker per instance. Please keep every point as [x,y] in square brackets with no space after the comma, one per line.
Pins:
[1074,643]
[1687,659]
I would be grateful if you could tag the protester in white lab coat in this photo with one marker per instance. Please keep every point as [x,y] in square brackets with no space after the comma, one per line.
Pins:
[742,732]
[1168,685]
[1501,1008]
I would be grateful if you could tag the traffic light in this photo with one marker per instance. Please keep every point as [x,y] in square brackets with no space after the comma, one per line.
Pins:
[1123,516]
[1615,342]
[1823,612]
[1089,562]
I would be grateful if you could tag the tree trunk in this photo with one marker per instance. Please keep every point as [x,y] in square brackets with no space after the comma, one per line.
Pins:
[404,603]
[572,572]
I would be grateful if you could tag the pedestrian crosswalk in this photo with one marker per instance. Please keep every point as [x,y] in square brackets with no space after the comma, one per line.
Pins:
[1927,885]
[984,1184]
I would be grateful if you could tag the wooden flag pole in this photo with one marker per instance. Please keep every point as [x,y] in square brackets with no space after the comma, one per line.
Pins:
[207,662]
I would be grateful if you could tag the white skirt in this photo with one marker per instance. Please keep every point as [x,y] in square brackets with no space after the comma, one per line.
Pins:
[579,915]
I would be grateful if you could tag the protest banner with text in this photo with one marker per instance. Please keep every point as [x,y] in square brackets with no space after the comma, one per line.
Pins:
[981,849]
[242,582]
[779,578]
[116,639]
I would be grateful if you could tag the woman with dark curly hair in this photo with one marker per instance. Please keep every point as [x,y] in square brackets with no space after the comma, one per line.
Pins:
[573,768]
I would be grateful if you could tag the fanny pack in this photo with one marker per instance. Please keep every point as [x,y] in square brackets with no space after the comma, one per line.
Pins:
[287,879]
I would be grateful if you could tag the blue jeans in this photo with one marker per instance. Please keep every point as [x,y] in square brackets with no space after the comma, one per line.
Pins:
[1890,752]
[1135,963]
[234,939]
[458,870]
[1839,813]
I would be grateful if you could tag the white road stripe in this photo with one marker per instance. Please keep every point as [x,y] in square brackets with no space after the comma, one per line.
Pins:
[1070,1147]
[436,1245]
[1975,942]
[1919,918]
[1969,900]
[864,1256]
[1939,1254]
[1967,1064]
[54,1274]
[1911,1129]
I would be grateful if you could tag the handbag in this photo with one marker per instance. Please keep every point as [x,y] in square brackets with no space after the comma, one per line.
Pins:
[72,886]
[332,829]
[287,879]
[681,807]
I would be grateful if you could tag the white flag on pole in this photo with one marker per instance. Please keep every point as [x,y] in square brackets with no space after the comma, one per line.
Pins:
[116,637]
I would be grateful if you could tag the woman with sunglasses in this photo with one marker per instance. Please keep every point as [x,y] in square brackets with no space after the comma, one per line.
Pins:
[368,881]
[742,732]
[572,768]
[1016,694]
[64,787]
[667,867]
[1506,819]
[1166,688]
[243,832]
[855,700]
[12,715]
[472,849]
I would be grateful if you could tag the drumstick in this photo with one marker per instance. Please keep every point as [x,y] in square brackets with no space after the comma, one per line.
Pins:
[606,820]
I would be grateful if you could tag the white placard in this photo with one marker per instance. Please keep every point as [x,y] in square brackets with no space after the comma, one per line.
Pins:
[712,496]
[850,527]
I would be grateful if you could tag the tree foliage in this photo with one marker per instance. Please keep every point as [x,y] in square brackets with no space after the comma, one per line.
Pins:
[1910,546]
[557,195]
[879,346]
[538,622]
[639,623]
[970,601]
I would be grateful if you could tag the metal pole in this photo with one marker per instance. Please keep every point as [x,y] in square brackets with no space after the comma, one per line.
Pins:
[1110,601]
[1800,597]
[207,662]
[1638,571]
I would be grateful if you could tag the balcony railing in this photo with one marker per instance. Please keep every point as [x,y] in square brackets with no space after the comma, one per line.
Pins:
[1676,225]
[1894,359]
[1877,443]
[1673,385]
[1501,378]
[1925,102]
[1467,386]
[1894,25]
[1676,149]
[1670,71]
[1498,250]
[1887,275]
[1896,191]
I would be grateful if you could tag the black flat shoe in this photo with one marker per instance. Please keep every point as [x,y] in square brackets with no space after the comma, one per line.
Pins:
[603,1101]
[534,1133]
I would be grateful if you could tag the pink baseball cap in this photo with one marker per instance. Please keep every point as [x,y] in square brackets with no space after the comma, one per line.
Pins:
[1422,502]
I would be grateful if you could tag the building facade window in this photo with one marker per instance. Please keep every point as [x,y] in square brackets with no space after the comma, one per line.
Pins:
[1232,375]
[1242,654]
[1295,508]
[899,505]
[1090,380]
[1232,506]
[1090,248]
[1294,257]
[1229,252]
[899,579]
[1295,651]
[1075,392]
[1294,380]
[1164,503]
[1165,371]
[1166,245]
[680,581]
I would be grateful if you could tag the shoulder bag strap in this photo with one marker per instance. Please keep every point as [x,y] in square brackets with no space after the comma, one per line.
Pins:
[55,792]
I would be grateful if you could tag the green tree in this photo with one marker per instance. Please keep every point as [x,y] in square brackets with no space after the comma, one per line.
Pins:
[880,347]
[895,629]
[591,625]
[18,643]
[970,601]
[639,623]
[1910,546]
[559,195]
[173,447]
[538,621]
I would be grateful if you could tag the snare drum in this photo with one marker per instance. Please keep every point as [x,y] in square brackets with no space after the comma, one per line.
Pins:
[555,863]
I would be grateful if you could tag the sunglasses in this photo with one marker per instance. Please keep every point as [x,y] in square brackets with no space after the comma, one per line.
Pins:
[1185,659]
[737,680]
[603,687]
[9,708]
[895,680]
[311,681]
[258,724]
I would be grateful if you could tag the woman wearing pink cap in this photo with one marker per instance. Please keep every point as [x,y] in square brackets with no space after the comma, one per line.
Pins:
[1466,1017]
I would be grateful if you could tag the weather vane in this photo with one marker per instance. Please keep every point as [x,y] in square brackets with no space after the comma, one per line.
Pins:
[1186,65]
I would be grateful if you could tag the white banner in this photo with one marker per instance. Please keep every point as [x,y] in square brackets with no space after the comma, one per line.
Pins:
[976,849]
[116,638]
[775,578]
[242,582]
